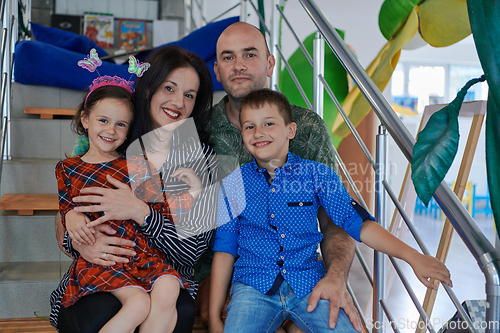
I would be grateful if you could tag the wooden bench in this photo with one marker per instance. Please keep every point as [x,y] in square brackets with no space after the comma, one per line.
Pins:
[27,204]
[40,325]
[49,113]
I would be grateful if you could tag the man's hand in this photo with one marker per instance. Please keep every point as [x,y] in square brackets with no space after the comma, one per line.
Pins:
[334,289]
[107,250]
[60,233]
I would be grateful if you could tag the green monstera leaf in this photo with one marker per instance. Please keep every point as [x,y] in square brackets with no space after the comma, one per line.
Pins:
[437,146]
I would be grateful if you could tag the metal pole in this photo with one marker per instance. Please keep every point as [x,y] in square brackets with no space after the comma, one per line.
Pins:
[274,45]
[480,247]
[27,17]
[243,11]
[6,72]
[378,260]
[224,13]
[318,71]
[295,80]
[201,7]
[10,52]
[187,16]
[15,18]
[193,25]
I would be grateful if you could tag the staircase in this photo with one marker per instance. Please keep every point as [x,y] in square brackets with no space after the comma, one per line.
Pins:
[31,263]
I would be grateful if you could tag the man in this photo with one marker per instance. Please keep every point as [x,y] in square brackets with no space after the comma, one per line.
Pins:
[243,65]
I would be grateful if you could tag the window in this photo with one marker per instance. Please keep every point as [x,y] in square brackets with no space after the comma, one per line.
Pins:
[415,86]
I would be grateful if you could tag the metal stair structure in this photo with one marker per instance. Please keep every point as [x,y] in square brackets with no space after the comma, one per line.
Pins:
[31,263]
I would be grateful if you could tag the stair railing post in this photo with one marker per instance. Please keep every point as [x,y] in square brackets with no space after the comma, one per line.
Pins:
[188,13]
[243,11]
[318,70]
[14,16]
[27,17]
[202,13]
[274,45]
[380,207]
[6,83]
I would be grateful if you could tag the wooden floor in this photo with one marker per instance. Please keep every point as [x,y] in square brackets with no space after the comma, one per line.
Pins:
[26,325]
[38,325]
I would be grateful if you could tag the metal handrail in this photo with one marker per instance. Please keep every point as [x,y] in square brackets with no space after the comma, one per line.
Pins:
[301,45]
[6,69]
[424,249]
[488,259]
[224,13]
[295,80]
[396,203]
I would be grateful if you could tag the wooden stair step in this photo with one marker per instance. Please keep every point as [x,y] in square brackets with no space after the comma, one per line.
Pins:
[26,325]
[49,113]
[27,204]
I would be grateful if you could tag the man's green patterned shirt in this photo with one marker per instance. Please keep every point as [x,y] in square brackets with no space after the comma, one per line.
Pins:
[312,140]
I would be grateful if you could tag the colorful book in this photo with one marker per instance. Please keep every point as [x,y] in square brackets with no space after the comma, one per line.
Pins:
[99,28]
[132,34]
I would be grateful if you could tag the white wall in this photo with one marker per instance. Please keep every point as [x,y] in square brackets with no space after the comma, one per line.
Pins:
[135,9]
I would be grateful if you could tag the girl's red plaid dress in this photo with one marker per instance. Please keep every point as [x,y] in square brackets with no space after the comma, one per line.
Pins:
[149,263]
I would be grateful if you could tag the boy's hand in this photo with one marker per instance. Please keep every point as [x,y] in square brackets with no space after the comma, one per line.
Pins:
[427,268]
[189,177]
[215,326]
[76,225]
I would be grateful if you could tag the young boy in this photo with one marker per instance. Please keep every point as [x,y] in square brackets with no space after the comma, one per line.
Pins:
[267,221]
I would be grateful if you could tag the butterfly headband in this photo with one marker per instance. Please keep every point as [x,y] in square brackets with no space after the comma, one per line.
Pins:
[92,62]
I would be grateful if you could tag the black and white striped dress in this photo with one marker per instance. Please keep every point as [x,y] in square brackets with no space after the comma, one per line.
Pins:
[182,243]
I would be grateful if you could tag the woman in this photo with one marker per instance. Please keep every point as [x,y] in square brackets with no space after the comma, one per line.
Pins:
[177,89]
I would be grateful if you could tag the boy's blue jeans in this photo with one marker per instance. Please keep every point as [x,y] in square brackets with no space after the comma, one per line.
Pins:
[250,311]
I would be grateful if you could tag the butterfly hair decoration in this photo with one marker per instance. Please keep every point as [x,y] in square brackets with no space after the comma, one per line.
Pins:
[136,67]
[92,62]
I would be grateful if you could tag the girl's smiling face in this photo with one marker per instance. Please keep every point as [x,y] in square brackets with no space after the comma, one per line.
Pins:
[107,125]
[175,99]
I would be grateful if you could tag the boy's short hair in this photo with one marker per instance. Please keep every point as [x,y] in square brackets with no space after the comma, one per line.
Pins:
[257,98]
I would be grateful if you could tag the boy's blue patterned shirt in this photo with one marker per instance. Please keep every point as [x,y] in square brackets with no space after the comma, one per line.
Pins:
[249,208]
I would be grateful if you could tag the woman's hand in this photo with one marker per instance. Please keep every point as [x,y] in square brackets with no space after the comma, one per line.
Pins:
[189,177]
[107,250]
[116,204]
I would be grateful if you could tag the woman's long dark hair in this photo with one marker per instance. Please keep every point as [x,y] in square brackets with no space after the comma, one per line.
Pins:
[163,62]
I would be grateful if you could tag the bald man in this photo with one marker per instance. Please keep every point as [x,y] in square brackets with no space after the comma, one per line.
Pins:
[243,65]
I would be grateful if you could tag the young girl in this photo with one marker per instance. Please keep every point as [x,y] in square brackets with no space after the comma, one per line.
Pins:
[105,118]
